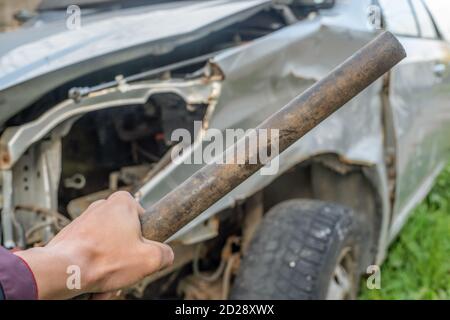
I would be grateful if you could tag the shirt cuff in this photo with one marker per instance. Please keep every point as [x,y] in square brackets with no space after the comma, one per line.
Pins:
[16,277]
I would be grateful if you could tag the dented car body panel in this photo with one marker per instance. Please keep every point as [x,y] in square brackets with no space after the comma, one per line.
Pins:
[420,111]
[396,131]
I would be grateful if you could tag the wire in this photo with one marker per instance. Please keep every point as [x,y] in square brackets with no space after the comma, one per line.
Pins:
[227,276]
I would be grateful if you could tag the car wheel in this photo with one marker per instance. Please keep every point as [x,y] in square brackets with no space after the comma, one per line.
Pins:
[304,249]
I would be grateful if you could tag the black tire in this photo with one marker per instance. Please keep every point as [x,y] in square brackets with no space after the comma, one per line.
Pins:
[295,252]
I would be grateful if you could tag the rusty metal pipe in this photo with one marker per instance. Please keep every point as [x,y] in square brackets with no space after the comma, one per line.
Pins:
[293,121]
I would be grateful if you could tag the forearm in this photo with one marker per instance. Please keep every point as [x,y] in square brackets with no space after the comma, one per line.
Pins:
[51,270]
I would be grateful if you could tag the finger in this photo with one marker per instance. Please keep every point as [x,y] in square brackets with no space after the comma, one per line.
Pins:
[121,196]
[95,204]
[158,255]
[124,198]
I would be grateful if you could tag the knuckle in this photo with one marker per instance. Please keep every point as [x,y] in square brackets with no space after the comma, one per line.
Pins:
[96,203]
[122,201]
[122,196]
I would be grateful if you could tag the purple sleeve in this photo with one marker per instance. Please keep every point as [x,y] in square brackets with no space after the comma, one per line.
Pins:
[16,278]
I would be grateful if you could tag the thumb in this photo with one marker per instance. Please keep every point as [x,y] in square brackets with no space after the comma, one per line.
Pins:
[158,255]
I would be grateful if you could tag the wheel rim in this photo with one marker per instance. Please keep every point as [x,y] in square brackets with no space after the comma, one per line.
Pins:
[341,283]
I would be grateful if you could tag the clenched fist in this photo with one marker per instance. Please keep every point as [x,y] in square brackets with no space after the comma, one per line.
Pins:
[104,247]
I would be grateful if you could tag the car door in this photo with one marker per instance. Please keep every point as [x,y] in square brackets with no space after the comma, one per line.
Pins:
[419,96]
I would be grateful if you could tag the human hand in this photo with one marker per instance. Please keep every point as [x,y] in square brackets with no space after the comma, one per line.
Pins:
[105,245]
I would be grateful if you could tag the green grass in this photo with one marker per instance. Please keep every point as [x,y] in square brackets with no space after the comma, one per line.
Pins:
[418,263]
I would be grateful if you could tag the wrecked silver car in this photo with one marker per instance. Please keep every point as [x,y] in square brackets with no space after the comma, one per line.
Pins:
[88,111]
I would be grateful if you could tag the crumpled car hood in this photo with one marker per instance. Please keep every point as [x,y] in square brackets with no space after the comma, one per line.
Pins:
[105,40]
